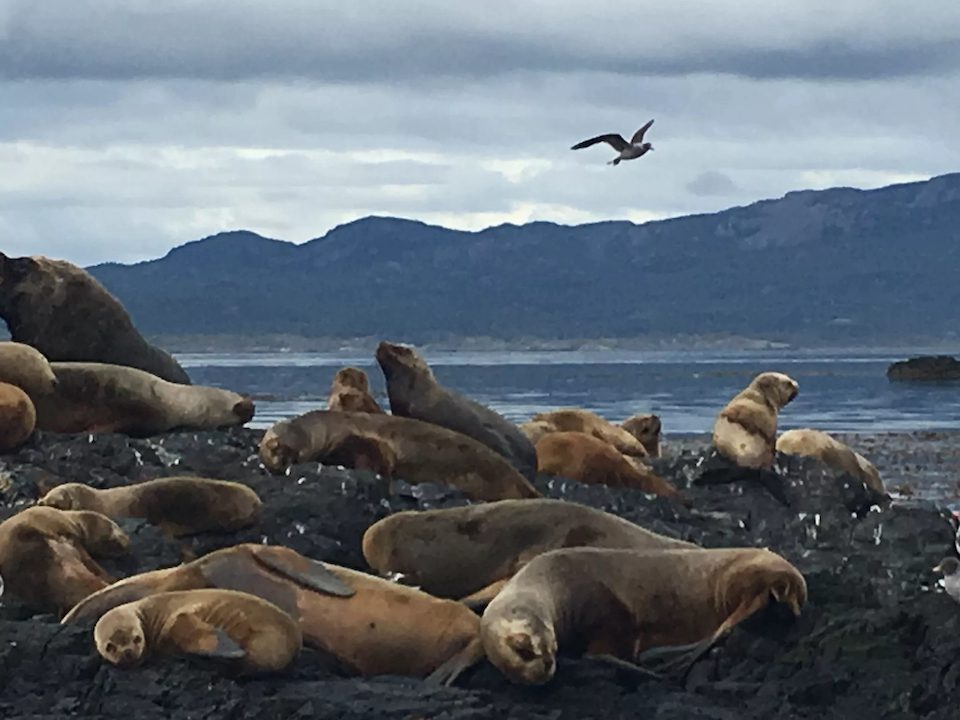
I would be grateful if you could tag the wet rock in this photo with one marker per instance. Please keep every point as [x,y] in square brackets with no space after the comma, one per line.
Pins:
[937,368]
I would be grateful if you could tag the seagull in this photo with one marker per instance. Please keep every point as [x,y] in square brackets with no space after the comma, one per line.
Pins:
[950,568]
[628,150]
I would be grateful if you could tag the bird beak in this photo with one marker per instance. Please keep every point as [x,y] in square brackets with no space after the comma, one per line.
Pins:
[938,568]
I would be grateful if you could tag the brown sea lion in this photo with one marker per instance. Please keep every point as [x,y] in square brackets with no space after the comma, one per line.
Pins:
[745,431]
[66,314]
[469,552]
[350,391]
[180,505]
[584,421]
[588,459]
[619,603]
[367,625]
[18,417]
[831,452]
[647,429]
[424,452]
[27,368]
[45,555]
[415,393]
[92,397]
[254,635]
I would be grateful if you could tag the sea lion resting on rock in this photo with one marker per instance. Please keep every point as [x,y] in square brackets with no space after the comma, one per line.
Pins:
[367,625]
[92,397]
[415,393]
[587,459]
[27,368]
[745,431]
[180,505]
[619,603]
[18,417]
[584,421]
[45,555]
[254,634]
[469,552]
[647,429]
[66,314]
[350,391]
[831,452]
[423,452]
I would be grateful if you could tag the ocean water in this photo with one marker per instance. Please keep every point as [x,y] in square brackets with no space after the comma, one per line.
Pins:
[840,391]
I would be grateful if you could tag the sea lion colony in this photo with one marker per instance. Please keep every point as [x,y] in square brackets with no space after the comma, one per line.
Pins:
[490,576]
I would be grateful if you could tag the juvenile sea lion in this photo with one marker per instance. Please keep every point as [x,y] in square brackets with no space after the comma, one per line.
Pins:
[587,459]
[255,634]
[368,625]
[745,431]
[180,505]
[27,368]
[584,421]
[18,417]
[93,397]
[423,452]
[647,429]
[45,555]
[66,314]
[469,552]
[350,390]
[831,452]
[415,393]
[619,603]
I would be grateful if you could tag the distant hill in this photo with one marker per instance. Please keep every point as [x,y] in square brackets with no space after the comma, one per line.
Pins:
[814,266]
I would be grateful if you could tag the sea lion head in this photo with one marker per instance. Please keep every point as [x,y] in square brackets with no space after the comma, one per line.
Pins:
[244,409]
[791,590]
[780,389]
[282,446]
[646,429]
[103,535]
[522,647]
[396,359]
[70,496]
[119,636]
[351,377]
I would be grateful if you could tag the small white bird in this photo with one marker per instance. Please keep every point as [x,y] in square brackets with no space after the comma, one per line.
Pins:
[950,567]
[628,150]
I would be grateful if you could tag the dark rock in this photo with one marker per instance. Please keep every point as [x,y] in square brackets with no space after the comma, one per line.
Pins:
[936,368]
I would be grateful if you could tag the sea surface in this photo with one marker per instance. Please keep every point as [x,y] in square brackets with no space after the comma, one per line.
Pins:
[840,391]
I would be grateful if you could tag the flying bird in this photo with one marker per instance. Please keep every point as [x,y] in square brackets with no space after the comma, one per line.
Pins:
[628,150]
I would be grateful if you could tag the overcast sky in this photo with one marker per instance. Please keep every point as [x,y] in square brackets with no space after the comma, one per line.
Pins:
[128,127]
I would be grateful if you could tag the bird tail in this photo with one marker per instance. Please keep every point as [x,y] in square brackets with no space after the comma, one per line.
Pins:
[615,161]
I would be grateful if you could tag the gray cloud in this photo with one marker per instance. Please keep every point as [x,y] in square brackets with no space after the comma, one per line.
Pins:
[711,182]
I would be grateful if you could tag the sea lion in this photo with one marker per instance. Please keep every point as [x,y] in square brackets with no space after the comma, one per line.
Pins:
[254,634]
[66,314]
[647,429]
[93,397]
[27,368]
[367,625]
[18,417]
[831,452]
[180,505]
[745,431]
[423,452]
[350,390]
[588,459]
[584,421]
[619,603]
[415,393]
[469,552]
[45,555]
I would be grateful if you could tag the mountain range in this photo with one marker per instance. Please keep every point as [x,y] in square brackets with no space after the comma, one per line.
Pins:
[825,266]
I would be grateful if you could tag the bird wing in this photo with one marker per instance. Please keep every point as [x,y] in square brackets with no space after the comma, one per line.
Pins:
[638,135]
[613,139]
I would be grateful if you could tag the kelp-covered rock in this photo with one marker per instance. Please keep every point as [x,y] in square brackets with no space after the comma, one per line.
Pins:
[876,639]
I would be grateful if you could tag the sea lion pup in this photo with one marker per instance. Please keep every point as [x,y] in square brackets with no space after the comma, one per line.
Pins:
[66,314]
[831,452]
[647,429]
[423,452]
[589,460]
[350,390]
[93,397]
[255,635]
[27,368]
[180,505]
[415,393]
[584,421]
[18,417]
[368,625]
[745,431]
[619,603]
[469,552]
[45,555]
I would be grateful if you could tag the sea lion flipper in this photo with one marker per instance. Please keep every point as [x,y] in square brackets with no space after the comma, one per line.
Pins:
[305,571]
[482,597]
[196,637]
[630,667]
[95,605]
[451,669]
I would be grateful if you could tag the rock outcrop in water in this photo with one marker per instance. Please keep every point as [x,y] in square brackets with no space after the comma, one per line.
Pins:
[876,638]
[938,368]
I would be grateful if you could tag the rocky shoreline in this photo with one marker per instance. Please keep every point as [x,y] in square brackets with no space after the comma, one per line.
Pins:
[877,638]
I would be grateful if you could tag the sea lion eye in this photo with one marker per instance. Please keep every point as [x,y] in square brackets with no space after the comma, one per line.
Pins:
[111,648]
[137,640]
